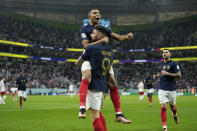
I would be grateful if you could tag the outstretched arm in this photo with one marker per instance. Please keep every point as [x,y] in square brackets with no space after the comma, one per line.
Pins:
[86,43]
[122,37]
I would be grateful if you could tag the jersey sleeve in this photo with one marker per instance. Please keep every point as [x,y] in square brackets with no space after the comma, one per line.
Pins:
[83,34]
[176,67]
[109,31]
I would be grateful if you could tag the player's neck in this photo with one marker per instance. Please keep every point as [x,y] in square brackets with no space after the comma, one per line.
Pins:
[92,23]
[166,60]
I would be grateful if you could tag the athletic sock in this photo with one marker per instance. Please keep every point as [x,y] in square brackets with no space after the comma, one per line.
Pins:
[21,103]
[163,116]
[115,97]
[98,125]
[83,91]
[174,110]
[103,121]
[150,100]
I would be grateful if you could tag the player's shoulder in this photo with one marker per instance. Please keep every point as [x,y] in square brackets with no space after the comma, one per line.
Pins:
[173,62]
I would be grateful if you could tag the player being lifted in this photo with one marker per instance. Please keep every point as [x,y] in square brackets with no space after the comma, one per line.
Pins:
[94,17]
[100,57]
[21,82]
[168,71]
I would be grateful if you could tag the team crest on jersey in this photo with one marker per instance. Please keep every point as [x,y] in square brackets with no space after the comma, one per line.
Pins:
[164,67]
[83,35]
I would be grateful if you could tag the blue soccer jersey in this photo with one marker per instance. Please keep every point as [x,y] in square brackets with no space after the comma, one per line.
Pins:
[21,83]
[168,83]
[87,30]
[101,58]
[148,82]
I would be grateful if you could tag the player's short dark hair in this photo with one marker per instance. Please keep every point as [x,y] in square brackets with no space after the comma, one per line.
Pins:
[101,29]
[89,11]
[166,49]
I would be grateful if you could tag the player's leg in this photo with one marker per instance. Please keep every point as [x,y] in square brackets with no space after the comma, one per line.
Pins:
[83,89]
[173,107]
[150,98]
[24,96]
[1,99]
[162,95]
[20,99]
[115,98]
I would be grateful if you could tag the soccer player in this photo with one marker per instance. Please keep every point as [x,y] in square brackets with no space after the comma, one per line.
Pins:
[14,92]
[168,71]
[94,17]
[71,86]
[2,91]
[21,82]
[141,90]
[148,82]
[101,58]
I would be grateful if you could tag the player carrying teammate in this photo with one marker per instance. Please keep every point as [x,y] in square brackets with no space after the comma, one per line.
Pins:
[148,82]
[21,82]
[101,58]
[2,91]
[168,71]
[94,17]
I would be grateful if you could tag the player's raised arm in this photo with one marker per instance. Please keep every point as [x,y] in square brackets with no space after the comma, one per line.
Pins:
[121,37]
[86,43]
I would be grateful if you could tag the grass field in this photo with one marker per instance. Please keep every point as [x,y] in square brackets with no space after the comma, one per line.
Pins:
[60,113]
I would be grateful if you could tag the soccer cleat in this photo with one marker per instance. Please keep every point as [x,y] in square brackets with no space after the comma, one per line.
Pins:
[165,129]
[21,107]
[150,105]
[176,119]
[82,113]
[122,118]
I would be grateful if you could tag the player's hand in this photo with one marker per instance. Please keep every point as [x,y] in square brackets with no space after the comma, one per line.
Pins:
[155,76]
[164,73]
[130,36]
[105,39]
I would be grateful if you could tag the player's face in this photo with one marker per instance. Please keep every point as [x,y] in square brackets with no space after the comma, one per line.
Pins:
[95,16]
[166,54]
[94,35]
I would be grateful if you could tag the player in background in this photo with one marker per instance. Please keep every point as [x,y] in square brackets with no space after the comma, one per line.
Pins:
[168,71]
[2,90]
[14,92]
[148,82]
[71,88]
[21,82]
[140,87]
[101,58]
[94,17]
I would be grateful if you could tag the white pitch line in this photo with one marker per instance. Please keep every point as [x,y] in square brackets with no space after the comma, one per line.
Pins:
[67,107]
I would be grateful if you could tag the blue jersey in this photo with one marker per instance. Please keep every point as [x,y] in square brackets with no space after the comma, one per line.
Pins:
[21,83]
[101,58]
[168,83]
[87,30]
[148,82]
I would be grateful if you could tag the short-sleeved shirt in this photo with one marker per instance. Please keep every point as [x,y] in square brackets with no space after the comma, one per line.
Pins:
[168,83]
[87,30]
[21,83]
[101,58]
[148,82]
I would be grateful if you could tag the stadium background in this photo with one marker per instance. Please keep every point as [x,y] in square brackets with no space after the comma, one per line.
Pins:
[50,31]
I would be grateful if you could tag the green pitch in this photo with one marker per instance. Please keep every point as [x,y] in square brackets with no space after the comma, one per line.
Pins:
[60,113]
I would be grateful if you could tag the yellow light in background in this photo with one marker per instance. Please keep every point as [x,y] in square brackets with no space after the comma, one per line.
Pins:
[179,48]
[13,55]
[185,59]
[14,43]
[74,49]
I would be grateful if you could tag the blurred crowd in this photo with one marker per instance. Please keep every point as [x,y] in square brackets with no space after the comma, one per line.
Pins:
[48,74]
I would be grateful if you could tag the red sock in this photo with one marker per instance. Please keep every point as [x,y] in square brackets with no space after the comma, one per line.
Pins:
[174,110]
[98,125]
[21,102]
[150,100]
[103,121]
[83,91]
[163,116]
[115,98]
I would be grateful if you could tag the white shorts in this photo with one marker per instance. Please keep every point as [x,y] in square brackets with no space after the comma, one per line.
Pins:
[167,96]
[86,66]
[22,94]
[149,91]
[95,100]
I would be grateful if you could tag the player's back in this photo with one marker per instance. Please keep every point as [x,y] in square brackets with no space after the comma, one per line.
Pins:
[101,58]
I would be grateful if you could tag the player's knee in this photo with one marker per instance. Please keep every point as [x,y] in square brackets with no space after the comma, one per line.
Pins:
[163,104]
[94,114]
[87,75]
